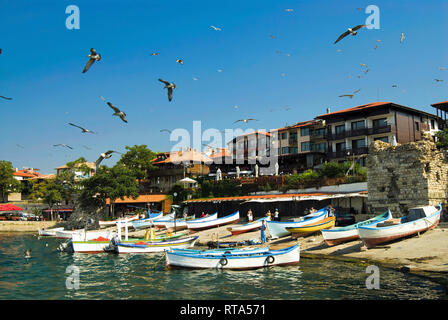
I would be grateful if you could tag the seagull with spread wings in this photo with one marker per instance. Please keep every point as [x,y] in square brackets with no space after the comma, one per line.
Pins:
[62,145]
[245,120]
[215,28]
[351,31]
[155,54]
[84,130]
[6,98]
[350,95]
[180,61]
[117,112]
[169,131]
[103,156]
[438,80]
[170,86]
[402,36]
[94,56]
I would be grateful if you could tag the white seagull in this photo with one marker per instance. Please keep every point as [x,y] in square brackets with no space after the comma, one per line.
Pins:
[117,112]
[170,86]
[351,31]
[84,130]
[94,56]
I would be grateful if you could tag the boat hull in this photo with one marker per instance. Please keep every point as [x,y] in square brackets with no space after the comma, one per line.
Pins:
[373,236]
[288,256]
[277,229]
[113,222]
[340,235]
[203,225]
[246,227]
[313,227]
[49,232]
[155,246]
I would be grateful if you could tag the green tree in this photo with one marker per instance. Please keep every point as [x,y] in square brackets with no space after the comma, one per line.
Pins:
[442,139]
[8,184]
[108,183]
[332,170]
[139,160]
[48,191]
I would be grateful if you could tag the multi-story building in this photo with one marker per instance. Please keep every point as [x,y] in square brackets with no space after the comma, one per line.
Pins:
[250,149]
[441,108]
[349,132]
[174,166]
[300,146]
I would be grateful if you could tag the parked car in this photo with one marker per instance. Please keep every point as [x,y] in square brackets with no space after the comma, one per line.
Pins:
[3,216]
[344,219]
[15,216]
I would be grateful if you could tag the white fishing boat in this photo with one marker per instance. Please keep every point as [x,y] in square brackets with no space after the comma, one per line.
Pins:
[81,234]
[222,251]
[49,232]
[277,229]
[339,235]
[238,261]
[180,224]
[419,219]
[94,245]
[195,226]
[147,222]
[154,246]
[106,223]
[251,226]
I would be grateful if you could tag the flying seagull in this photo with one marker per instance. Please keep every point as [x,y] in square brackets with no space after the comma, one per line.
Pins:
[155,54]
[5,98]
[363,65]
[83,129]
[1,51]
[103,156]
[442,68]
[367,70]
[245,120]
[289,10]
[117,112]
[94,56]
[351,31]
[20,146]
[350,95]
[169,131]
[194,78]
[180,61]
[86,147]
[402,37]
[272,36]
[394,86]
[215,28]
[438,80]
[170,86]
[62,145]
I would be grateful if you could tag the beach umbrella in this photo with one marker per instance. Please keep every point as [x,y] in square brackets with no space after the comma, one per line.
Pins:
[9,207]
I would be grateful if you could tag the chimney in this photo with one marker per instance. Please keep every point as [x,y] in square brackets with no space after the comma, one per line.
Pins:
[328,110]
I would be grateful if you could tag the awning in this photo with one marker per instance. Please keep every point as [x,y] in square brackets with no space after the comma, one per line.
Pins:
[9,207]
[141,198]
[284,197]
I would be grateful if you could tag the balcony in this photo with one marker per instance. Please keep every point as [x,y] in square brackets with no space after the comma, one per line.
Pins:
[347,153]
[359,132]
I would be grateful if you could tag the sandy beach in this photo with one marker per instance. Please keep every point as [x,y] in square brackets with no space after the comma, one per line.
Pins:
[25,226]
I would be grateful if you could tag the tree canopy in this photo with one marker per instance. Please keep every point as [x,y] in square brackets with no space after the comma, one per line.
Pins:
[138,159]
[8,184]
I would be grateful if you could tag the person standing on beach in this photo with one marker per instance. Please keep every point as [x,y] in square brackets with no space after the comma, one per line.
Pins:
[269,214]
[263,232]
[250,216]
[331,211]
[276,213]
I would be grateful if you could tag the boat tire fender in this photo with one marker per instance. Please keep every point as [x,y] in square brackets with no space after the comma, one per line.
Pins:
[270,259]
[223,261]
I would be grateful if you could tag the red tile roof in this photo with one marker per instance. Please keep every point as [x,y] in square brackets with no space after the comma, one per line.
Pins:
[27,173]
[358,108]
[439,103]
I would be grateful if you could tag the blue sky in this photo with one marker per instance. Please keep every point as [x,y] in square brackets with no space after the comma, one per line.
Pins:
[41,64]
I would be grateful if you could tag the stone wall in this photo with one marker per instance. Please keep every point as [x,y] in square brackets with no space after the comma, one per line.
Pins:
[405,176]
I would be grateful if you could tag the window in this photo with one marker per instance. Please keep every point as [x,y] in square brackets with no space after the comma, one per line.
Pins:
[285,150]
[305,146]
[304,132]
[358,125]
[318,146]
[417,127]
[340,146]
[384,139]
[293,136]
[294,150]
[360,143]
[284,135]
[379,123]
[433,126]
[319,132]
[339,129]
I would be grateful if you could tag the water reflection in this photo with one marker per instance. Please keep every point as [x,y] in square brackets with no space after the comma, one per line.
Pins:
[135,276]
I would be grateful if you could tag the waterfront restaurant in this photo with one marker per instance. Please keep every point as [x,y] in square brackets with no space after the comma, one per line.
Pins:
[290,205]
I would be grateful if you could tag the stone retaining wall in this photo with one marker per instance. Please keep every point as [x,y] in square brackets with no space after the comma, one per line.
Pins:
[405,176]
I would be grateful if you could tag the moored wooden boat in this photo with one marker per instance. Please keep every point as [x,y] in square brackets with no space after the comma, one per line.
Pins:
[154,246]
[195,226]
[325,223]
[49,232]
[105,223]
[418,220]
[81,234]
[251,226]
[181,224]
[277,229]
[239,261]
[339,235]
[147,222]
[223,251]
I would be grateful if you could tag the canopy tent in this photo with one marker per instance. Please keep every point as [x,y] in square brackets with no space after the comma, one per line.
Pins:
[316,197]
[188,181]
[9,207]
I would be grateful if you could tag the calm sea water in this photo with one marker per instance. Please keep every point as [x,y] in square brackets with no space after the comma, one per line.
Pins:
[110,276]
